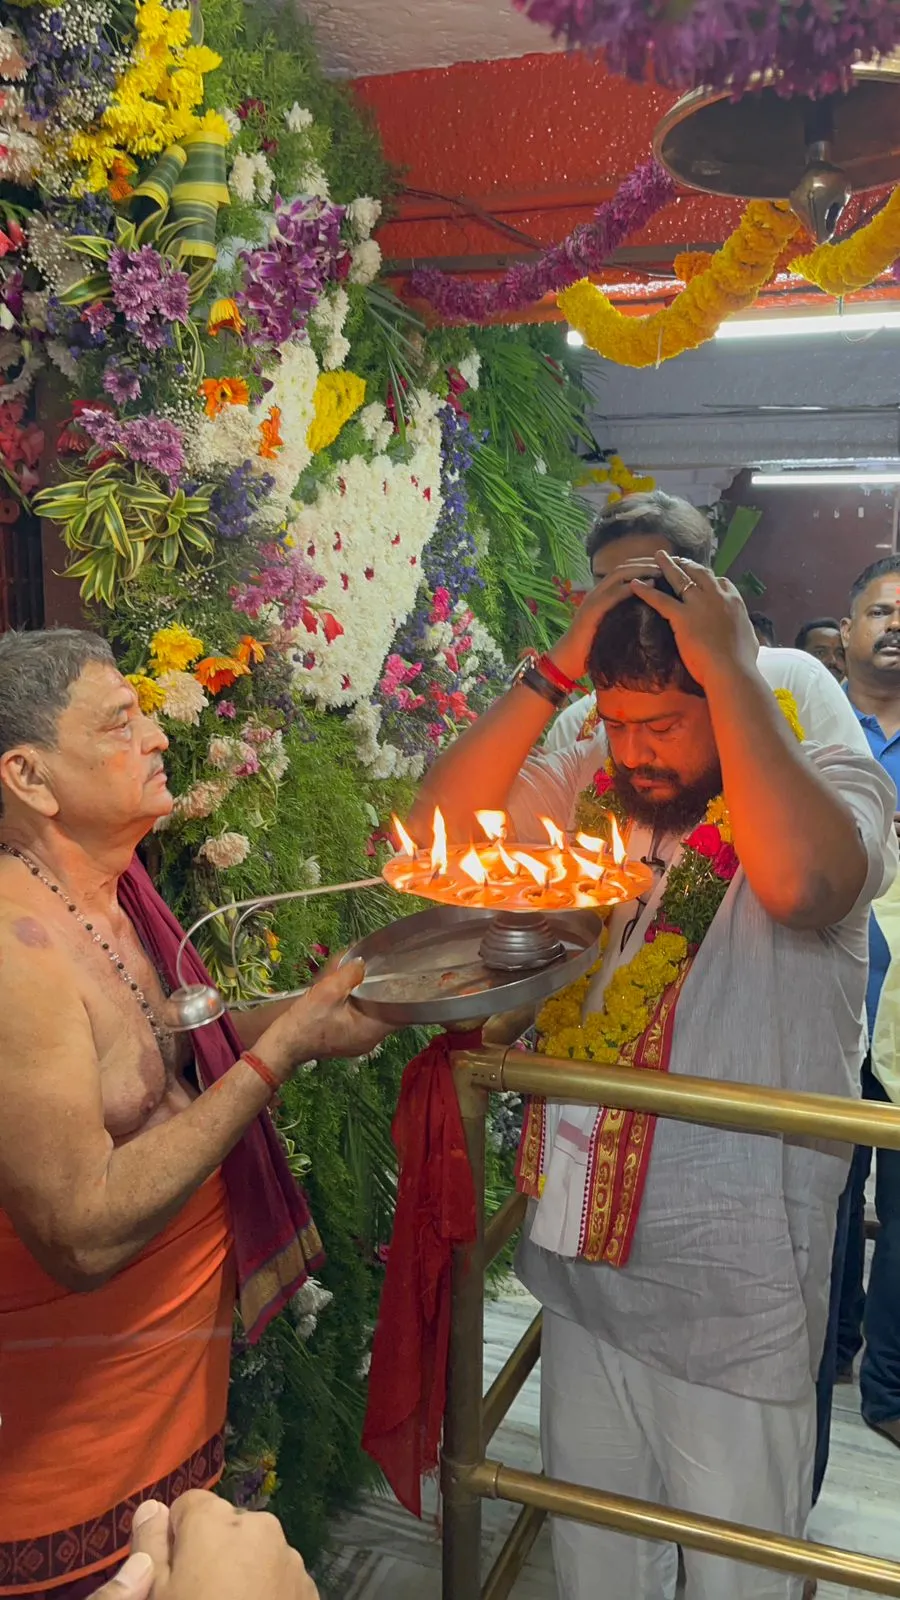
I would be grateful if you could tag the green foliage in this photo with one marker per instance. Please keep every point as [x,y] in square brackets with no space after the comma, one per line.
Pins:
[269,54]
[531,411]
[117,518]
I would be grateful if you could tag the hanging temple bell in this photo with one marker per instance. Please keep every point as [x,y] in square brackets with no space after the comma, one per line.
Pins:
[815,154]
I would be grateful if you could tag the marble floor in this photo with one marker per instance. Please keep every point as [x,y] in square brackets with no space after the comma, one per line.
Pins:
[382,1553]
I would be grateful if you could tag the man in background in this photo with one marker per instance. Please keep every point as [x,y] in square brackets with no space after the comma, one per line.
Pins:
[871,638]
[764,628]
[822,638]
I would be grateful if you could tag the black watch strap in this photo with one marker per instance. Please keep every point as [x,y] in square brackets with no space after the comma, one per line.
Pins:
[534,679]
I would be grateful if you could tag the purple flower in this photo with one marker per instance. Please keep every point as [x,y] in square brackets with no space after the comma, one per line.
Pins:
[642,194]
[286,580]
[724,43]
[98,316]
[226,708]
[284,281]
[120,382]
[104,429]
[172,301]
[157,443]
[136,276]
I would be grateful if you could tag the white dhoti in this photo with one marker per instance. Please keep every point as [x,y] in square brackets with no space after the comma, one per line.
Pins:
[610,1422]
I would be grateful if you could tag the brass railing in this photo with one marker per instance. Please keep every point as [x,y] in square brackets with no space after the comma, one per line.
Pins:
[468,1477]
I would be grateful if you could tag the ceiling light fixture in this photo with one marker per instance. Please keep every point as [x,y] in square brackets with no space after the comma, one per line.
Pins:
[806,327]
[825,479]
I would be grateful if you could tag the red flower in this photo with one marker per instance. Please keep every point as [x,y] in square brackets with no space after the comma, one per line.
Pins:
[725,862]
[706,839]
[309,619]
[602,783]
[333,629]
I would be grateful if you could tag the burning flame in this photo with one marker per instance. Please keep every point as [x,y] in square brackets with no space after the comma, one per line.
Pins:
[591,869]
[554,834]
[618,848]
[473,867]
[407,847]
[511,866]
[439,843]
[538,871]
[588,842]
[492,873]
[492,824]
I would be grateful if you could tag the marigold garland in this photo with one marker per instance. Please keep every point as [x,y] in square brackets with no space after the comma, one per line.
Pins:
[730,283]
[856,262]
[623,480]
[338,396]
[695,888]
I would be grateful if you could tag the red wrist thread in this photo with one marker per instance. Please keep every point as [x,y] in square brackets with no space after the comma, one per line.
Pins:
[557,677]
[261,1070]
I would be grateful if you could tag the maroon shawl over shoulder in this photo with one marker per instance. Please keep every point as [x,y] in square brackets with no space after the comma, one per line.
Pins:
[275,1240]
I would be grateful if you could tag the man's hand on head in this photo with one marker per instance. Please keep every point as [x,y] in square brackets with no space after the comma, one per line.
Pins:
[712,630]
[572,652]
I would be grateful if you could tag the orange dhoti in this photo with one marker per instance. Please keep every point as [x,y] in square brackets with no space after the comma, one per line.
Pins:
[110,1397]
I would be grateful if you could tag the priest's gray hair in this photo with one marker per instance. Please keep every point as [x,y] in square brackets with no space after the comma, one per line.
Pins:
[37,671]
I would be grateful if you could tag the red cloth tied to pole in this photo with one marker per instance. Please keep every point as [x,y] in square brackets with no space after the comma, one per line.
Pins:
[435,1213]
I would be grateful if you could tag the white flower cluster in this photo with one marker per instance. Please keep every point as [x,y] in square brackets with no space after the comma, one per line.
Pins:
[382,760]
[312,181]
[327,320]
[225,850]
[233,436]
[365,535]
[470,367]
[13,65]
[184,698]
[307,1306]
[376,425]
[251,178]
[362,215]
[298,119]
[365,262]
[201,800]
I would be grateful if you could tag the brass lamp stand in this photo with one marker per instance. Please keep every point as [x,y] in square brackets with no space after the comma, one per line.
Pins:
[468,1476]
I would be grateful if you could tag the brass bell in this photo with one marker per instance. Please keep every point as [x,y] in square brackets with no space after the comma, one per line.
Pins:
[814,154]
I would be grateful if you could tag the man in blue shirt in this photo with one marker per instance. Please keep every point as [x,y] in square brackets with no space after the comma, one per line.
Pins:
[871,637]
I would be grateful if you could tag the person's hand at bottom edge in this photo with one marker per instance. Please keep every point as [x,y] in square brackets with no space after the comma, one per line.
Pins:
[203,1548]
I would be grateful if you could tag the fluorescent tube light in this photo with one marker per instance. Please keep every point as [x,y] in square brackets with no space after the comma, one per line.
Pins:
[804,327]
[822,480]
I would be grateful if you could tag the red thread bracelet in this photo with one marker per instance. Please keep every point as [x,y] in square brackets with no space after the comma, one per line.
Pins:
[557,678]
[261,1070]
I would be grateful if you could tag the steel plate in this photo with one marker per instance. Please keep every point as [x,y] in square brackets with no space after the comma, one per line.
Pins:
[426,968]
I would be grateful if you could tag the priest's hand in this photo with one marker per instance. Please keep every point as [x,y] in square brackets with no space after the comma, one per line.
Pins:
[205,1549]
[325,1021]
[712,630]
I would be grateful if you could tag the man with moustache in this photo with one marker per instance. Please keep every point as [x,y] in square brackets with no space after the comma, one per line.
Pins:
[871,637]
[685,1373]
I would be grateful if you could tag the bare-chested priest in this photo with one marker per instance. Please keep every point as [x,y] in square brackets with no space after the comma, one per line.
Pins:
[141,1182]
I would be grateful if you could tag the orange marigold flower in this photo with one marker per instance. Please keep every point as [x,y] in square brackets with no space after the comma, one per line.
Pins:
[225,317]
[221,392]
[118,186]
[219,672]
[270,440]
[250,650]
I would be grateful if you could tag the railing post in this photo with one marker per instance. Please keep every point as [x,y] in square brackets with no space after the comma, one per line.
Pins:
[463,1442]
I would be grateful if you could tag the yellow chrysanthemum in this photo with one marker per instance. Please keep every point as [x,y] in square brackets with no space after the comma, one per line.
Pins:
[150,695]
[174,649]
[338,395]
